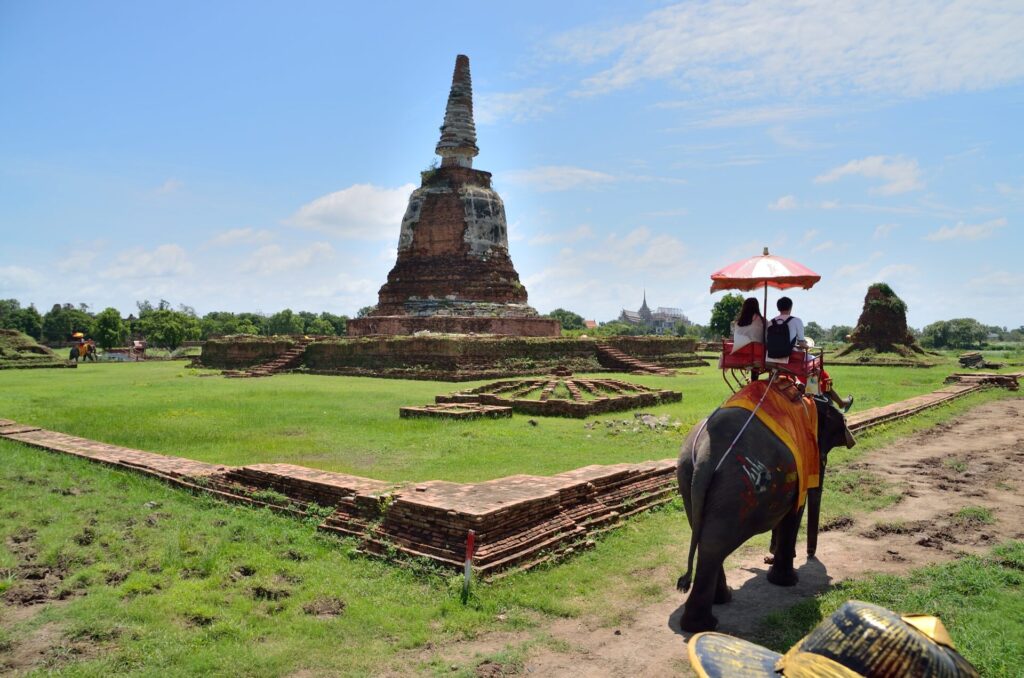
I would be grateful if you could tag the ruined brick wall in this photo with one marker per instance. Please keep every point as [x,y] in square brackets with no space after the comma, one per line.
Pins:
[454,324]
[665,351]
[484,355]
[232,353]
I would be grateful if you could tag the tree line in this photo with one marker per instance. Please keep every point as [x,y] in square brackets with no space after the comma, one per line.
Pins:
[164,326]
[159,324]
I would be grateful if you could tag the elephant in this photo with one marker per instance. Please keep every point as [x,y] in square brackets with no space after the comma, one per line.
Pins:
[747,494]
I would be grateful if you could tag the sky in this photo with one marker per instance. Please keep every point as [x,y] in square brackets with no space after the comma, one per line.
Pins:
[258,156]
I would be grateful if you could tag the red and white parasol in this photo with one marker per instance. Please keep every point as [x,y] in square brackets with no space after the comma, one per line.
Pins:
[766,270]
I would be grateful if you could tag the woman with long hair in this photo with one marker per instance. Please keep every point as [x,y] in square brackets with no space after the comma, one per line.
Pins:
[749,326]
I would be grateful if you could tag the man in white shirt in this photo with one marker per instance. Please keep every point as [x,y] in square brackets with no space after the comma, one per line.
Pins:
[796,326]
[796,335]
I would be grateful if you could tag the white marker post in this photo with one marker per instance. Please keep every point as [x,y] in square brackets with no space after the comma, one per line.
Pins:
[468,568]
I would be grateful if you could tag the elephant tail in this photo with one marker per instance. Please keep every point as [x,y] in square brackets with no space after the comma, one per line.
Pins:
[699,484]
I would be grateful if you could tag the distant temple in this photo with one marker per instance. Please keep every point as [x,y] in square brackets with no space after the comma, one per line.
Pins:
[661,321]
[453,273]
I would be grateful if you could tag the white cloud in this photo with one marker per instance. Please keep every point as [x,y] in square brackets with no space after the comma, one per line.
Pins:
[783,137]
[761,115]
[521,106]
[905,48]
[581,232]
[894,271]
[824,246]
[883,231]
[273,258]
[810,235]
[786,202]
[138,263]
[361,211]
[1010,191]
[240,236]
[15,277]
[898,173]
[657,214]
[78,261]
[170,186]
[849,270]
[964,231]
[558,178]
[997,283]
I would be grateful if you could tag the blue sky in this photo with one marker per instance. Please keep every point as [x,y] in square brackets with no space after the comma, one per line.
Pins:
[257,156]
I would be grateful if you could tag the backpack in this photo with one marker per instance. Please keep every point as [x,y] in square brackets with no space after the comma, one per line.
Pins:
[778,343]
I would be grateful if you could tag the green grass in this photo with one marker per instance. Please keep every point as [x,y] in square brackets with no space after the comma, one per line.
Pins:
[974,515]
[159,582]
[351,424]
[187,585]
[979,600]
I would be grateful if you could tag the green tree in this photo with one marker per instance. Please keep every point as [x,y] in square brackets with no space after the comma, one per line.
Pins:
[338,322]
[723,313]
[168,329]
[955,333]
[569,320]
[9,310]
[26,320]
[365,311]
[618,328]
[110,329]
[252,323]
[814,331]
[839,333]
[31,322]
[64,320]
[319,326]
[285,322]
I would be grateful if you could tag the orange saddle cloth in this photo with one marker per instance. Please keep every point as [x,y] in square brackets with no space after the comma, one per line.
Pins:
[794,423]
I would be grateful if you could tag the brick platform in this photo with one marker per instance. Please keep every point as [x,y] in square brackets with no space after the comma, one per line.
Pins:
[455,411]
[564,396]
[520,520]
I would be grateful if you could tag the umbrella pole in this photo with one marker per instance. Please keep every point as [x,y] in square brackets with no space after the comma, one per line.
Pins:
[764,340]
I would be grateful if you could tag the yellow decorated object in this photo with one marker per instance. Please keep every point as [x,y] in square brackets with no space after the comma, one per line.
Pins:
[858,639]
[794,423]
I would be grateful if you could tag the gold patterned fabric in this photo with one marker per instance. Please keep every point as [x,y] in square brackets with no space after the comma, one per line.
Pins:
[859,639]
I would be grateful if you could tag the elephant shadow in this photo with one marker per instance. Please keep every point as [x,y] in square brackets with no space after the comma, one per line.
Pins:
[755,598]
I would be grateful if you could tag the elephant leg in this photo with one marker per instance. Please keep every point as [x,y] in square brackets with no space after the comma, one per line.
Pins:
[697,612]
[722,593]
[782,573]
[770,558]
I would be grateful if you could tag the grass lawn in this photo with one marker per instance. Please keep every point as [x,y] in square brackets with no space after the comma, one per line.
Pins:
[979,600]
[149,580]
[351,424]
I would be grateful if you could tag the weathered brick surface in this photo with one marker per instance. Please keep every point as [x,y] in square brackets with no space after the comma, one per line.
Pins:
[603,395]
[231,353]
[455,411]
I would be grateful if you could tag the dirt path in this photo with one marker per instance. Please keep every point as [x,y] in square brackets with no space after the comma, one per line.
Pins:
[976,460]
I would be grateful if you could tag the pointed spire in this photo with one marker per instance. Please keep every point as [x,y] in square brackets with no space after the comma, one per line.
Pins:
[645,311]
[458,133]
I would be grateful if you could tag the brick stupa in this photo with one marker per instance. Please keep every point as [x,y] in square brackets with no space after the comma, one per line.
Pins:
[454,273]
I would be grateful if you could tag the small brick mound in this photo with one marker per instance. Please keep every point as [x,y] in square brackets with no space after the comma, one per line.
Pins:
[563,396]
[455,411]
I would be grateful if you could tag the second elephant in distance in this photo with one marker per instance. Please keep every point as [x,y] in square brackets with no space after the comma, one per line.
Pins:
[723,513]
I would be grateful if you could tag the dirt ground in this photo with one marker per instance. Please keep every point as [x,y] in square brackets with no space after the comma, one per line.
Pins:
[976,460]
